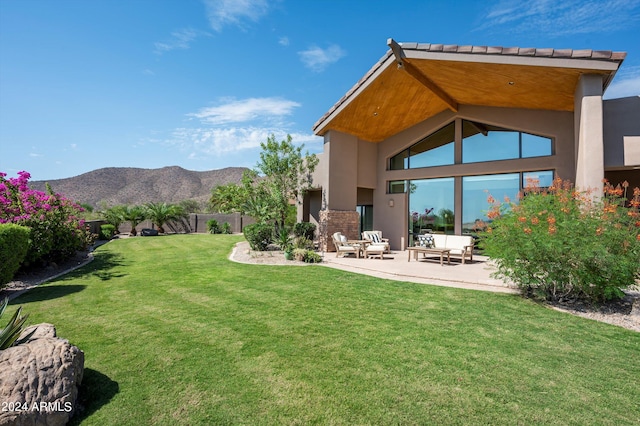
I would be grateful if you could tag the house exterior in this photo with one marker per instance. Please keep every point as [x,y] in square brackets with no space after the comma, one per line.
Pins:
[419,142]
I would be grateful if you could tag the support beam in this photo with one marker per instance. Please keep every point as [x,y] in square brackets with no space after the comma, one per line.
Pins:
[415,72]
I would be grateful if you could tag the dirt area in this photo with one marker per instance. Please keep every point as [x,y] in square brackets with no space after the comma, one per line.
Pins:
[624,313]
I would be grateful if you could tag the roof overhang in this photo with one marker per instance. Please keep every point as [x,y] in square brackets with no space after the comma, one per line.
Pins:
[413,82]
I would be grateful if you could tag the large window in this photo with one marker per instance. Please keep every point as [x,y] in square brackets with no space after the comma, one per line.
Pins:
[431,206]
[482,142]
[434,150]
[476,189]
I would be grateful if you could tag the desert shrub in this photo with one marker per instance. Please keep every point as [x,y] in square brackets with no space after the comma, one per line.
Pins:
[304,229]
[284,240]
[307,256]
[213,227]
[226,228]
[57,231]
[558,243]
[107,231]
[303,243]
[259,235]
[299,254]
[14,243]
[312,257]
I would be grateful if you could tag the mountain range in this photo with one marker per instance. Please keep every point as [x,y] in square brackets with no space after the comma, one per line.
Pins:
[129,185]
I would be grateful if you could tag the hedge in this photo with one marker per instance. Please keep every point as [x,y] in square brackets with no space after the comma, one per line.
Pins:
[14,243]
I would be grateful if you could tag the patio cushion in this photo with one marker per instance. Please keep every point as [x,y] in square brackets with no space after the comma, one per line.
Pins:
[426,241]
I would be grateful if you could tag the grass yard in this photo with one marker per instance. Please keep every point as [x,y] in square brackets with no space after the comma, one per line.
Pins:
[174,333]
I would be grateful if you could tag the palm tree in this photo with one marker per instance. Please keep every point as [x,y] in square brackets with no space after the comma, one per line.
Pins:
[114,216]
[134,215]
[161,213]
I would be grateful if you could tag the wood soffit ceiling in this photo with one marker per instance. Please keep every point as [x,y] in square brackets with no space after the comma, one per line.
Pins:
[389,99]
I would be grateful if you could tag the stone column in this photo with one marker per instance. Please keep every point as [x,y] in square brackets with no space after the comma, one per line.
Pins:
[345,221]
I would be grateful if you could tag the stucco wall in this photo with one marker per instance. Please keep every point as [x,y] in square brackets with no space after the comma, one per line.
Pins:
[621,119]
[589,145]
[341,155]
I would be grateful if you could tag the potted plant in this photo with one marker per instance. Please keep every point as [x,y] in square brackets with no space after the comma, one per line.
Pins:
[284,241]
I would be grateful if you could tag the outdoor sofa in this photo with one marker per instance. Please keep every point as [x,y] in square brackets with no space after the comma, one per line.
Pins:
[458,245]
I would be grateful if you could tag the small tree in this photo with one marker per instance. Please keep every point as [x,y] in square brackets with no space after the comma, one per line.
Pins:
[161,213]
[287,174]
[114,216]
[134,215]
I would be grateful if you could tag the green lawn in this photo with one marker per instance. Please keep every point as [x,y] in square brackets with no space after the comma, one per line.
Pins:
[174,333]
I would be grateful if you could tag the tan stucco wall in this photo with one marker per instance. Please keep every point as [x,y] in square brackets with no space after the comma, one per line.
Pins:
[341,154]
[621,126]
[367,162]
[589,143]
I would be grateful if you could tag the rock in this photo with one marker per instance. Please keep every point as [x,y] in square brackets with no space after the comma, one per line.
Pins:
[40,379]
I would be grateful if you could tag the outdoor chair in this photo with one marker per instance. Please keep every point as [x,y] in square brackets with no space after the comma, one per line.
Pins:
[342,247]
[376,240]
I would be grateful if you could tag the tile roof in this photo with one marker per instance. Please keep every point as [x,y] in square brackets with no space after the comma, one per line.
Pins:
[517,51]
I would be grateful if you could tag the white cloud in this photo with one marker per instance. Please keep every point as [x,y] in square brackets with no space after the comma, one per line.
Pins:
[179,40]
[626,83]
[234,12]
[237,111]
[317,59]
[557,18]
[219,141]
[283,41]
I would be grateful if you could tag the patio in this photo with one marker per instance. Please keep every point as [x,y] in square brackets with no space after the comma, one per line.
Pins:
[473,275]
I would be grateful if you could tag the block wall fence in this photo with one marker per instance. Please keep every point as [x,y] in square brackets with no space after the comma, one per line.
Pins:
[197,223]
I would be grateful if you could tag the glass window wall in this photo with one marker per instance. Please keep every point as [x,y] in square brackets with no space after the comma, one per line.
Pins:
[480,143]
[431,206]
[434,150]
[476,190]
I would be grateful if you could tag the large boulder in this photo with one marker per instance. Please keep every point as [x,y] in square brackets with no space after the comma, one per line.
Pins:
[39,379]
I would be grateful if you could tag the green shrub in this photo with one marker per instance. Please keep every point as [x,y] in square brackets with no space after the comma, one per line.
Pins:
[14,244]
[107,231]
[303,243]
[284,240]
[559,244]
[307,256]
[312,257]
[226,228]
[259,235]
[213,227]
[304,229]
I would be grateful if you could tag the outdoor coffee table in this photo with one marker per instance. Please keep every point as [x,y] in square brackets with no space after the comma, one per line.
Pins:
[361,245]
[426,250]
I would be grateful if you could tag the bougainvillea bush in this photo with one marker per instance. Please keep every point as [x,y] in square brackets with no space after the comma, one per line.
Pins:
[559,243]
[56,230]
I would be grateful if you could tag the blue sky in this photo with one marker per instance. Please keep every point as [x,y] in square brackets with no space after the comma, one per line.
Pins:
[200,83]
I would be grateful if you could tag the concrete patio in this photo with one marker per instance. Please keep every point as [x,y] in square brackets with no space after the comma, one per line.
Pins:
[473,275]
